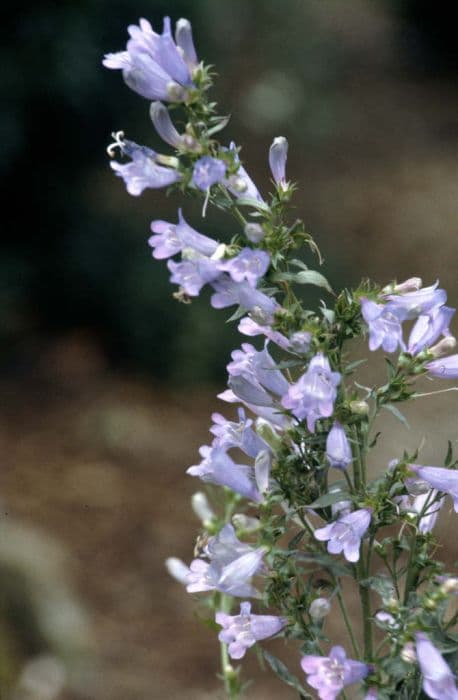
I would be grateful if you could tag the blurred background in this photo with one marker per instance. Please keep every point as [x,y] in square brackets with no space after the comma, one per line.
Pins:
[107,383]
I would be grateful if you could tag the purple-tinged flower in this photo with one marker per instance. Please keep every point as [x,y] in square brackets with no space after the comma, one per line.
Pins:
[228,292]
[386,620]
[346,533]
[330,674]
[202,508]
[242,631]
[265,409]
[440,478]
[217,467]
[319,609]
[249,265]
[240,435]
[193,274]
[153,65]
[258,368]
[278,154]
[163,124]
[249,327]
[338,450]
[177,569]
[262,467]
[170,239]
[207,172]
[444,368]
[185,43]
[428,328]
[425,505]
[438,679]
[412,284]
[313,395]
[384,326]
[448,584]
[143,171]
[230,567]
[371,694]
[410,305]
[254,232]
[240,184]
[299,342]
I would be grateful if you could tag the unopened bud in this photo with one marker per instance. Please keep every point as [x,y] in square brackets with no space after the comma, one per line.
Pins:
[244,522]
[177,569]
[190,143]
[202,508]
[449,585]
[413,284]
[385,618]
[176,92]
[254,232]
[238,184]
[408,653]
[169,161]
[319,608]
[360,408]
[443,346]
[265,430]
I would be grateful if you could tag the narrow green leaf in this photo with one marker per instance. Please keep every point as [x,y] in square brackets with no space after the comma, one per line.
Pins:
[449,455]
[313,277]
[279,668]
[328,499]
[222,123]
[249,202]
[396,413]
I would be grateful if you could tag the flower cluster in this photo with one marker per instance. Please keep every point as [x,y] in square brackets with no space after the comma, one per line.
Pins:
[295,509]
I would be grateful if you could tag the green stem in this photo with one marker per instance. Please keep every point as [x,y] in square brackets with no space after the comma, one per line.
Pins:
[412,571]
[365,598]
[344,611]
[230,678]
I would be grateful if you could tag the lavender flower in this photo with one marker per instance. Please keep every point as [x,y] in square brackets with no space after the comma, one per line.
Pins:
[410,305]
[177,569]
[170,239]
[153,65]
[258,368]
[240,435]
[231,564]
[338,450]
[242,631]
[329,675]
[241,184]
[207,172]
[445,367]
[346,533]
[445,480]
[164,126]
[313,395]
[217,467]
[193,274]
[428,328]
[425,505]
[143,171]
[246,392]
[228,292]
[438,679]
[184,40]
[319,609]
[384,326]
[249,265]
[278,154]
[249,327]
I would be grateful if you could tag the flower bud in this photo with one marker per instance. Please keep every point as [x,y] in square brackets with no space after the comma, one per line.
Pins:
[202,508]
[265,430]
[254,232]
[386,619]
[176,92]
[319,608]
[245,523]
[359,408]
[177,569]
[408,653]
[449,585]
[413,284]
[443,346]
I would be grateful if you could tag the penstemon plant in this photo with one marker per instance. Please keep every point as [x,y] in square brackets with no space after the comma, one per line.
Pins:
[298,516]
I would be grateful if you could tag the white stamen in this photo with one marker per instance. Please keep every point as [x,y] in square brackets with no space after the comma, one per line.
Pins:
[118,142]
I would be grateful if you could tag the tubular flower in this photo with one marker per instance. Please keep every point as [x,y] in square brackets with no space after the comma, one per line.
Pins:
[438,679]
[242,631]
[278,154]
[313,395]
[330,674]
[346,533]
[153,65]
[231,565]
[338,450]
[440,478]
[444,368]
[217,467]
[142,172]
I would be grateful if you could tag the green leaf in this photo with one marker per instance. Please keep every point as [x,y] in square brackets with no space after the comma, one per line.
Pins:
[449,455]
[279,668]
[328,499]
[249,202]
[325,561]
[293,543]
[241,311]
[222,123]
[381,585]
[298,263]
[396,413]
[313,277]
